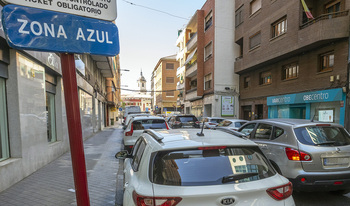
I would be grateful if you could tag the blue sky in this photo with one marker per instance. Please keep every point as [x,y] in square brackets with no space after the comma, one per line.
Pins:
[146,35]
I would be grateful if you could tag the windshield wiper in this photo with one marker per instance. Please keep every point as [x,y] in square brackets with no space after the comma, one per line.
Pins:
[325,143]
[234,177]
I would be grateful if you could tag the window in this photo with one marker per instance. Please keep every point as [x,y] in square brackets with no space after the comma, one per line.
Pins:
[263,131]
[169,66]
[290,71]
[197,167]
[279,27]
[4,143]
[239,16]
[50,87]
[278,132]
[169,93]
[208,20]
[333,7]
[246,82]
[207,81]
[208,51]
[255,5]
[265,78]
[255,40]
[327,62]
[138,155]
[169,80]
[247,129]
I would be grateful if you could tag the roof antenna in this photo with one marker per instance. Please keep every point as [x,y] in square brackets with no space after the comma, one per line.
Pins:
[201,133]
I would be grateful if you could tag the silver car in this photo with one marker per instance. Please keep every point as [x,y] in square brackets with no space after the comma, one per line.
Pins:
[314,156]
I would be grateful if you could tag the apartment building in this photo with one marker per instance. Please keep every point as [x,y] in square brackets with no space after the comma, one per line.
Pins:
[164,81]
[206,62]
[293,65]
[33,122]
[113,95]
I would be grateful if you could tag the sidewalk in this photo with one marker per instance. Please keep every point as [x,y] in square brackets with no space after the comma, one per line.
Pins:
[54,184]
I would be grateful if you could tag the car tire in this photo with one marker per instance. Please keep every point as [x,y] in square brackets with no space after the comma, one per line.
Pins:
[340,192]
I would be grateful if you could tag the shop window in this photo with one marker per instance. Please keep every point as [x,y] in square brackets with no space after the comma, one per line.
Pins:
[327,62]
[169,94]
[333,7]
[279,27]
[239,16]
[265,78]
[208,20]
[169,66]
[4,143]
[255,6]
[208,50]
[246,82]
[255,40]
[50,87]
[207,81]
[170,80]
[290,71]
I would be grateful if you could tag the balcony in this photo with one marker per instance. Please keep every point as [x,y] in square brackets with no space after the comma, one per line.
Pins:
[180,86]
[191,69]
[192,43]
[328,26]
[191,95]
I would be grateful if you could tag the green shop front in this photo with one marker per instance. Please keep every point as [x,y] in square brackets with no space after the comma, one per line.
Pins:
[322,105]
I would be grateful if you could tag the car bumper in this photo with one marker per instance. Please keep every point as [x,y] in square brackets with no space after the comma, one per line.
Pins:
[325,182]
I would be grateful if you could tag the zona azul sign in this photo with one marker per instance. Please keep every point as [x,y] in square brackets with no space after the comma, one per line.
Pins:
[98,9]
[42,30]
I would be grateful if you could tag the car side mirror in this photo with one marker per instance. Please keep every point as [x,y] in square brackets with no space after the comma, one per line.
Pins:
[122,155]
[123,123]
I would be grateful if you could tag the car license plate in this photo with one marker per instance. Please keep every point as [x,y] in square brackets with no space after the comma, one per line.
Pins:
[336,161]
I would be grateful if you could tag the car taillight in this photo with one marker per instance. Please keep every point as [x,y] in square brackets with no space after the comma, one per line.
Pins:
[177,122]
[296,155]
[198,122]
[155,201]
[281,192]
[211,123]
[211,148]
[167,126]
[129,133]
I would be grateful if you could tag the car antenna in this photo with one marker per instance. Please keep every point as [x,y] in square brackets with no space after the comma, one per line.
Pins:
[201,133]
[312,120]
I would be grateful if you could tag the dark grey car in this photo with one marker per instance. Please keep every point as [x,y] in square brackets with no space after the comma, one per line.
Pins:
[314,156]
[183,121]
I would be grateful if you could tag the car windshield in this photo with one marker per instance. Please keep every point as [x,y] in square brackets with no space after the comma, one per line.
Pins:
[149,124]
[187,119]
[322,135]
[210,167]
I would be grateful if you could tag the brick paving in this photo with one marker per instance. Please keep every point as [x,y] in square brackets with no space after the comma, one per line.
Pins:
[54,185]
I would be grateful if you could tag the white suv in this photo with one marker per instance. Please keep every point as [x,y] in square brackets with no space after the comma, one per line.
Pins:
[137,125]
[180,167]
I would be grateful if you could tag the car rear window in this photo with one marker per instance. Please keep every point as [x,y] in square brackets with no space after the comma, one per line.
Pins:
[149,124]
[322,136]
[239,124]
[210,167]
[216,120]
[187,119]
[224,123]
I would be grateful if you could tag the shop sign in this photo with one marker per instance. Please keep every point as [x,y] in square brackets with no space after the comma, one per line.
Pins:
[326,115]
[98,9]
[227,105]
[41,30]
[307,97]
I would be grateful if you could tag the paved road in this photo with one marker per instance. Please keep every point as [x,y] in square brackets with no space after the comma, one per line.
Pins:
[321,199]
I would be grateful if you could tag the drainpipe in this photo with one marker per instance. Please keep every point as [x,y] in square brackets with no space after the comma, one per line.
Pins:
[347,88]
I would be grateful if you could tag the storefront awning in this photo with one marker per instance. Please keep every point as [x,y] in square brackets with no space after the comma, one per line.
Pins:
[190,57]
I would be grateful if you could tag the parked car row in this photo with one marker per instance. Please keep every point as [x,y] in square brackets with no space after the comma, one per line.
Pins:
[174,156]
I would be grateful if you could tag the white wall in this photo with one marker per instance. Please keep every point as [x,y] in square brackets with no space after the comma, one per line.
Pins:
[225,52]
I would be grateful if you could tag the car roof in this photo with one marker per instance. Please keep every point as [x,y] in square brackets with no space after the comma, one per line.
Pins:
[146,117]
[294,122]
[214,117]
[188,138]
[236,120]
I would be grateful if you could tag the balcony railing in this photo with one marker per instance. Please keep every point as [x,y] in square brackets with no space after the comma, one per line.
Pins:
[192,42]
[324,17]
[191,69]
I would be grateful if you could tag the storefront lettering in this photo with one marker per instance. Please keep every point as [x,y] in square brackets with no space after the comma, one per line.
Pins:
[315,97]
[281,100]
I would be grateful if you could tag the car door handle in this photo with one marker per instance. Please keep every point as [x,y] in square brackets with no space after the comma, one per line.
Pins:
[126,184]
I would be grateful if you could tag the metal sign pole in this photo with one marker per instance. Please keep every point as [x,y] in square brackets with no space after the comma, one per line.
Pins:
[74,129]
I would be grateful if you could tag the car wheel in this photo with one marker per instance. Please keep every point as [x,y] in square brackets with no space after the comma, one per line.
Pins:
[340,192]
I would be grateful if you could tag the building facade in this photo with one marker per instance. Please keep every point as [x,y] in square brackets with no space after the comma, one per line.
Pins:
[292,66]
[164,79]
[33,122]
[206,57]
